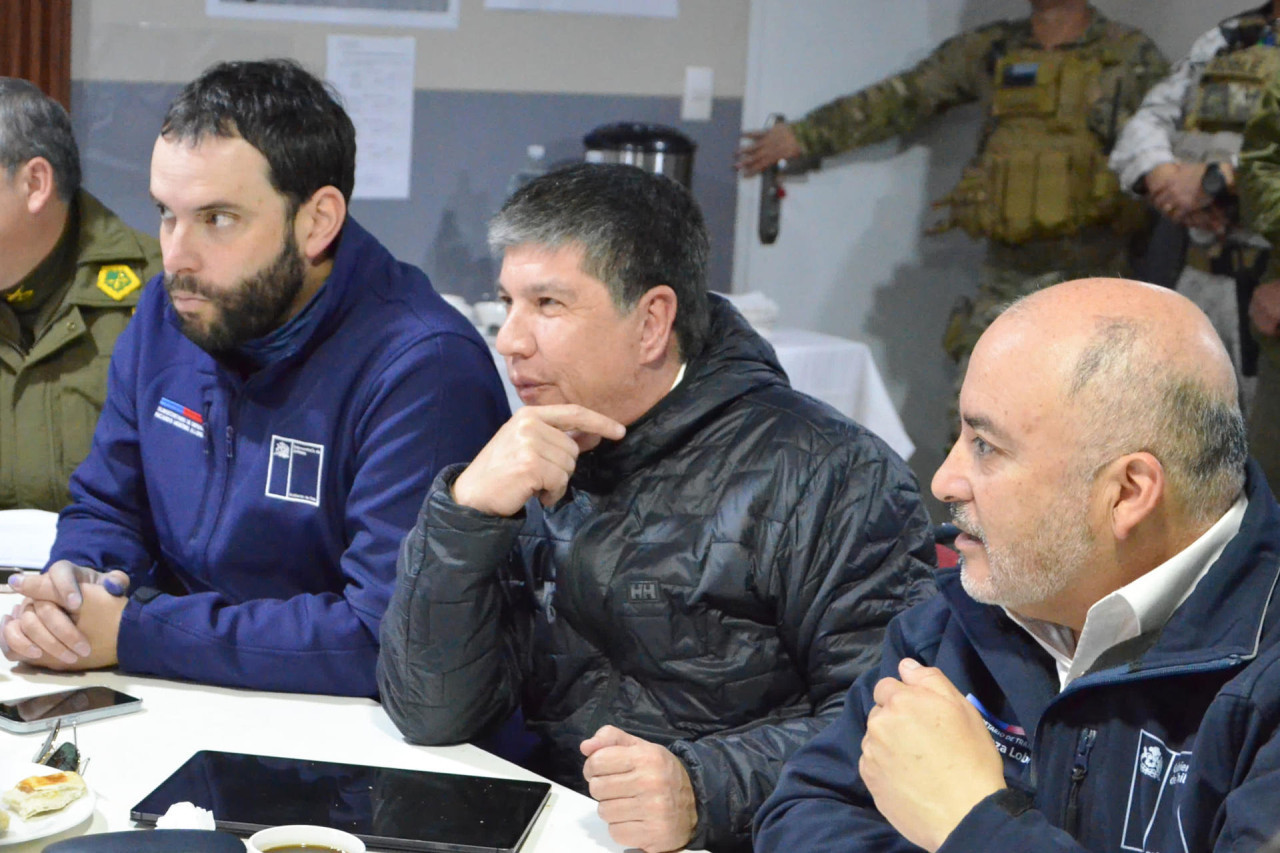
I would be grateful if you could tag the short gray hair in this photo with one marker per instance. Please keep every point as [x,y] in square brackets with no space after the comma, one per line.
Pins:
[636,229]
[1132,401]
[34,125]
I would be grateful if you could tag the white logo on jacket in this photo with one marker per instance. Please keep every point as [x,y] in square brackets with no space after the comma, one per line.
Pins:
[293,474]
[1153,823]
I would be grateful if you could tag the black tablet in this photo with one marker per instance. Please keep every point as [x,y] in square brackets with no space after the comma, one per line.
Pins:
[387,808]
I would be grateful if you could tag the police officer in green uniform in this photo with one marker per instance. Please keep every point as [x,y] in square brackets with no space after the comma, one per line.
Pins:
[1057,87]
[70,276]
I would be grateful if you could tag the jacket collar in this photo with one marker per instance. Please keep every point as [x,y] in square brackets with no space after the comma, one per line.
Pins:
[327,307]
[735,361]
[1224,617]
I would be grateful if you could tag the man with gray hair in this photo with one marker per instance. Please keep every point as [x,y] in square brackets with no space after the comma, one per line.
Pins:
[70,276]
[1101,672]
[670,561]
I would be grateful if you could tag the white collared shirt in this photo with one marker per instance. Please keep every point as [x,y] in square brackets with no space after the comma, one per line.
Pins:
[1139,607]
[679,376]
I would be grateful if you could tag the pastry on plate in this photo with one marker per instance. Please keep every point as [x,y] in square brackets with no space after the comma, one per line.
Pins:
[37,795]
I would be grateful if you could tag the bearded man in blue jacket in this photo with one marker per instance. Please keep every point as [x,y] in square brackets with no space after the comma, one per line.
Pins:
[1103,671]
[275,413]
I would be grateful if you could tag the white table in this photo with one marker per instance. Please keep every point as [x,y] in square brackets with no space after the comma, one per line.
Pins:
[837,371]
[131,754]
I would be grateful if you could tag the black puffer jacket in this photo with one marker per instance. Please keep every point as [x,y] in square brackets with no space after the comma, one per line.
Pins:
[714,582]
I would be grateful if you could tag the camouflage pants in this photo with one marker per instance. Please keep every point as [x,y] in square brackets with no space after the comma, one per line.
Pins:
[1010,272]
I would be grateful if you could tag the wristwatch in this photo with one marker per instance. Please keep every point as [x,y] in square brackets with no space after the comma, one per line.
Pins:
[145,594]
[1214,183]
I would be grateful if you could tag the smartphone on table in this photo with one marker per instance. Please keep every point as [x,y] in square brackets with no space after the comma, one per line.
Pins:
[78,705]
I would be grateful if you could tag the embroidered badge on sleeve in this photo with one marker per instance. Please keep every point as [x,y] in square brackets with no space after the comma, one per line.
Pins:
[118,281]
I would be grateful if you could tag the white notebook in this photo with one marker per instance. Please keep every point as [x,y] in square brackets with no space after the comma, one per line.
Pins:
[26,536]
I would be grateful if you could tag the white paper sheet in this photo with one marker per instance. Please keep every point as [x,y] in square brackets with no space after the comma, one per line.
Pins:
[375,78]
[26,535]
[439,14]
[638,8]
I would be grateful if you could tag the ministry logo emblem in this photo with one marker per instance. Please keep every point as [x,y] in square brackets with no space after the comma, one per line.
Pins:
[293,474]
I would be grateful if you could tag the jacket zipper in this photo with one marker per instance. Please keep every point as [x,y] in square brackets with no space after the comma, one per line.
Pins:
[208,427]
[1079,770]
[229,452]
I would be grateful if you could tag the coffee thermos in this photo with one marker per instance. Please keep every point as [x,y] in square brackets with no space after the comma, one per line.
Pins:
[653,147]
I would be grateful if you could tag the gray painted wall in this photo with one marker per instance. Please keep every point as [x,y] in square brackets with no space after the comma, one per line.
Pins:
[466,146]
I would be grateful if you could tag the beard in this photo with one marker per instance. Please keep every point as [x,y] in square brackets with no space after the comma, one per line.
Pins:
[1038,567]
[254,307]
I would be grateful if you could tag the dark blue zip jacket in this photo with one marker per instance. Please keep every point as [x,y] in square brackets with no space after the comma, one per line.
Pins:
[1168,744]
[269,510]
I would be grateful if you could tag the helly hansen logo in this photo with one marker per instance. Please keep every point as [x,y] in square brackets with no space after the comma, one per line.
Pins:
[642,591]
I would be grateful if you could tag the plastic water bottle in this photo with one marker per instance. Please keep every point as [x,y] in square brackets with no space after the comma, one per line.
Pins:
[535,166]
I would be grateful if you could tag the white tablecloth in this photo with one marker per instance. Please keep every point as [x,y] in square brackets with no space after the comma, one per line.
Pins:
[838,371]
[131,754]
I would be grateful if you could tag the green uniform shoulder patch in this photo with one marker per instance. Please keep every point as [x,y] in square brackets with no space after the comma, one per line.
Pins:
[118,281]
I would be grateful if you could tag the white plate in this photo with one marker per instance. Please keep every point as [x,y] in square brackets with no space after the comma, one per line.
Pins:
[46,824]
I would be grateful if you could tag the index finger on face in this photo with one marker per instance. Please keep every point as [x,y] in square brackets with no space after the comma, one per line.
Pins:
[574,418]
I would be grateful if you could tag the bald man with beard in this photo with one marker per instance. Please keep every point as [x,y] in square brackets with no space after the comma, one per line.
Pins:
[1101,671]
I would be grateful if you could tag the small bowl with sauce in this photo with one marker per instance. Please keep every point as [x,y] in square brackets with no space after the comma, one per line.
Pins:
[301,838]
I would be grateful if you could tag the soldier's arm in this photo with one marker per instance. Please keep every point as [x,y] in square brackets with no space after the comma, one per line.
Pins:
[957,72]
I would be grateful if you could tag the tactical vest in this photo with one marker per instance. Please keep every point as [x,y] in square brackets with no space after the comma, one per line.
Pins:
[1228,95]
[1042,172]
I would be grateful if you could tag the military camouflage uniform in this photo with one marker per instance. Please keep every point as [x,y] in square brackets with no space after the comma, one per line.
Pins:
[1062,214]
[57,330]
[1258,183]
[1198,114]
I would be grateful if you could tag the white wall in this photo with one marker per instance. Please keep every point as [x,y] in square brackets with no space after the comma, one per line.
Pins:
[852,258]
[172,41]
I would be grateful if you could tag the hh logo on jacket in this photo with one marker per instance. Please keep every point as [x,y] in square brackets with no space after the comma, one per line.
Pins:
[1151,820]
[294,471]
[642,591]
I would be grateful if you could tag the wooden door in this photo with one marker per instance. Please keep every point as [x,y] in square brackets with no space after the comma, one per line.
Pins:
[35,44]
